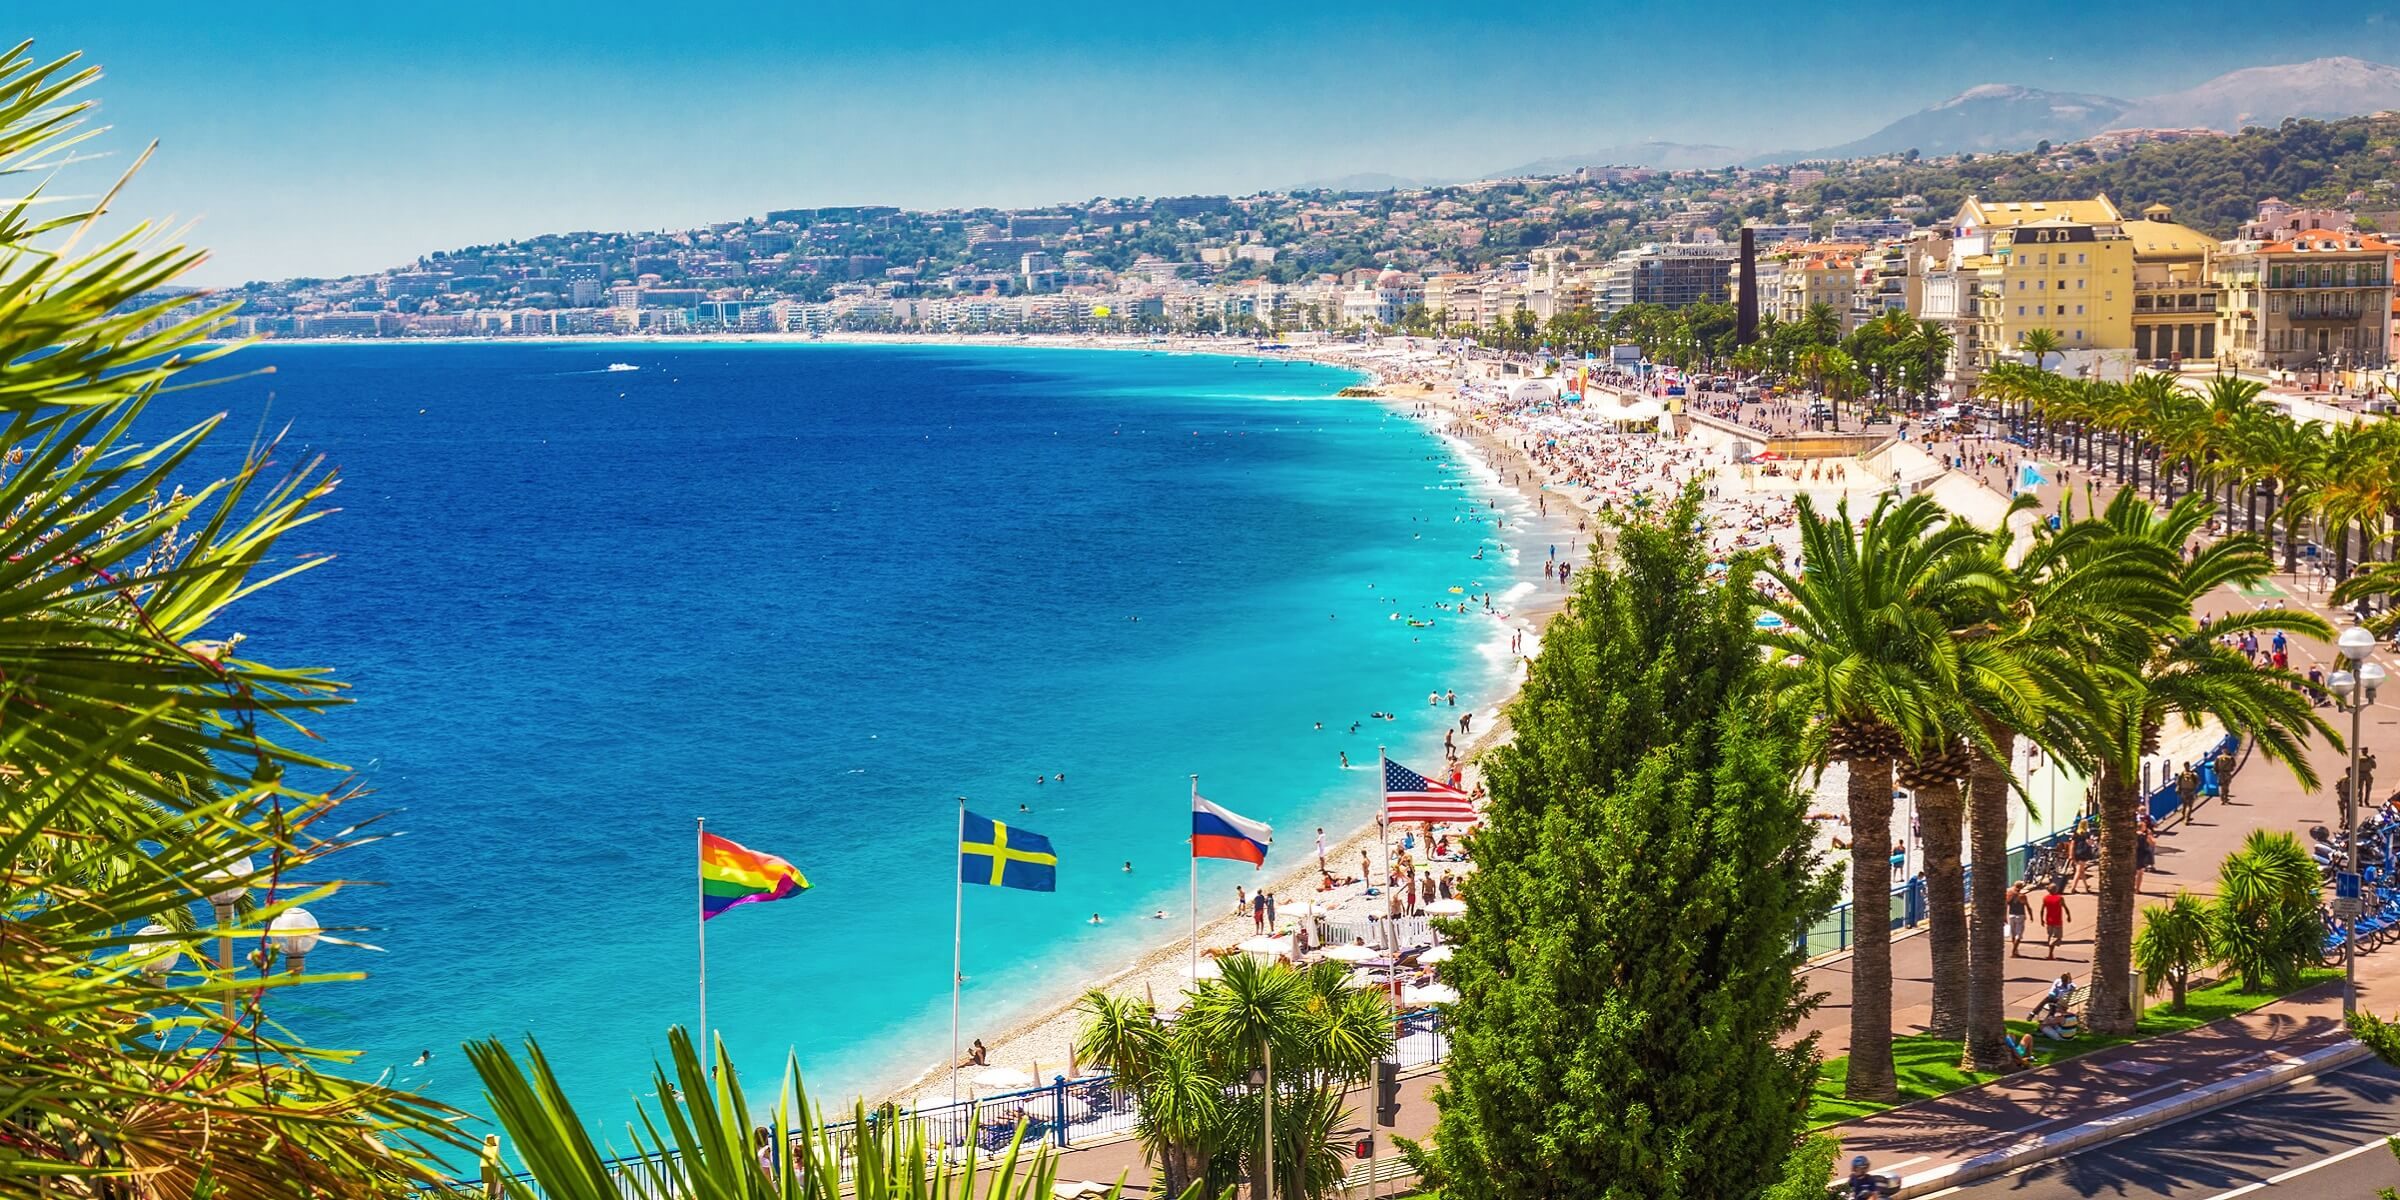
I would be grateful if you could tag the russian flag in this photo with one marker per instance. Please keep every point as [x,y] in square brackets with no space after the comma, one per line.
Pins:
[1218,833]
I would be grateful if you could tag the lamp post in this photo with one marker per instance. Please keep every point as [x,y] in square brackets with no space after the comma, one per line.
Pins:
[2355,645]
[294,932]
[155,958]
[227,885]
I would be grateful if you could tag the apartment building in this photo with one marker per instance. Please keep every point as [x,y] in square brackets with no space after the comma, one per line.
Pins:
[2176,294]
[2320,298]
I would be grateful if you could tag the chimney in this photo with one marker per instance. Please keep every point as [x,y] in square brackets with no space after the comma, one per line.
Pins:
[1746,304]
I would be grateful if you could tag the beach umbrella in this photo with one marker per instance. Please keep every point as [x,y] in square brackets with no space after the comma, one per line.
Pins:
[1206,968]
[1446,908]
[1001,1079]
[1438,954]
[1306,908]
[1769,621]
[1431,993]
[1350,953]
[1272,947]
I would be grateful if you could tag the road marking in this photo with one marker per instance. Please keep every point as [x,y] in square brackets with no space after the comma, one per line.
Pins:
[2354,1151]
[2299,1171]
[1944,1192]
[1906,1162]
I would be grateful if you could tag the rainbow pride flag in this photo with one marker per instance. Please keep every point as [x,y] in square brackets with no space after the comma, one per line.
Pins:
[732,874]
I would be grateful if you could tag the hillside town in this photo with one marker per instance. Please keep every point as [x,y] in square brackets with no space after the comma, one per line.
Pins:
[2302,288]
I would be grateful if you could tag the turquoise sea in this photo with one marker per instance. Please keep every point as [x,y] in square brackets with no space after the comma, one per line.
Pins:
[814,593]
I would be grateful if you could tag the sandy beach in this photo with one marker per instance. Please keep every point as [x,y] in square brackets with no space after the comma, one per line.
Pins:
[1042,1044]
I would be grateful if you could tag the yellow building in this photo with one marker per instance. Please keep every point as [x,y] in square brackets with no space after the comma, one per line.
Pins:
[2175,290]
[2061,265]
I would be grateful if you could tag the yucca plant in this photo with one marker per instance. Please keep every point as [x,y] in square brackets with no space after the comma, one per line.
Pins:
[705,1142]
[2173,945]
[142,750]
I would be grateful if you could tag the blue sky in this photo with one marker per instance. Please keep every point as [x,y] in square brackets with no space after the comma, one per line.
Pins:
[314,143]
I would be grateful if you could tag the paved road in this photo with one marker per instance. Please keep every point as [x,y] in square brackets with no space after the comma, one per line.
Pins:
[2321,1137]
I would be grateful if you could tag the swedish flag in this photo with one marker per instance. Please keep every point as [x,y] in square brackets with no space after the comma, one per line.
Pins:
[994,854]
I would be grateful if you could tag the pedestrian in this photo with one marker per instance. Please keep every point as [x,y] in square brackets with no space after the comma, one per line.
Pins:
[2018,909]
[1271,922]
[2187,787]
[2083,851]
[1320,848]
[2054,917]
[2145,849]
[1258,912]
[1241,900]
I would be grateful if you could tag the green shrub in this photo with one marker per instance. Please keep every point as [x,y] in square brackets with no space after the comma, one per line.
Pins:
[2173,944]
[2264,924]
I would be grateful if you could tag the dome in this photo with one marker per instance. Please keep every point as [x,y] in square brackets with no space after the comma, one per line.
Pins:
[1390,278]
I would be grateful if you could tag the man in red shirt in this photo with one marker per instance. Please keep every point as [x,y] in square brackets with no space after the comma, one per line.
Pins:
[2054,917]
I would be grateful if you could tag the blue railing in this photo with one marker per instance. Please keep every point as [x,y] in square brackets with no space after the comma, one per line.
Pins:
[1831,934]
[1062,1113]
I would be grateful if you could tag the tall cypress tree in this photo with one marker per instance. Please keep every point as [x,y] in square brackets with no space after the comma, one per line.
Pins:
[1625,965]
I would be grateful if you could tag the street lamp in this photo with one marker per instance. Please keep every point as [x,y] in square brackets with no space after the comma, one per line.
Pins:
[155,958]
[294,932]
[227,885]
[2355,644]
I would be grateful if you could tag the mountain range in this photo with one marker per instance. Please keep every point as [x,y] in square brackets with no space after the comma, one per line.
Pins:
[1996,117]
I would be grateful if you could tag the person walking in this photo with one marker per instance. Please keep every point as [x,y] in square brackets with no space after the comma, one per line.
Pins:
[1258,912]
[2187,787]
[2019,908]
[2084,851]
[2054,917]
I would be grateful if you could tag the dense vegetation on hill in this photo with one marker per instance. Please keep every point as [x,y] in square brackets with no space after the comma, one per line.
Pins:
[2213,184]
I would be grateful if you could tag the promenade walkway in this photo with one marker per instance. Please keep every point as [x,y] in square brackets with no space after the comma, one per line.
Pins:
[1924,1138]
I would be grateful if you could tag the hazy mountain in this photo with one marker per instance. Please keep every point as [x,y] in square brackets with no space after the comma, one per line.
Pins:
[1980,120]
[2326,88]
[2002,117]
[1668,156]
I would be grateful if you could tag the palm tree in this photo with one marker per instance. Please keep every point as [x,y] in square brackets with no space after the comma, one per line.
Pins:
[1200,1124]
[2038,345]
[2174,670]
[1866,651]
[2033,633]
[145,745]
[703,1143]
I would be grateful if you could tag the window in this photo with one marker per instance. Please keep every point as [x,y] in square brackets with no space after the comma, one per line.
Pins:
[2041,260]
[2079,310]
[2041,310]
[2079,335]
[2041,285]
[2079,285]
[2079,260]
[2020,310]
[2274,304]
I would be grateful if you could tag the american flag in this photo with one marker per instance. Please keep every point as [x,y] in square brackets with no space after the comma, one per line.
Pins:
[1408,796]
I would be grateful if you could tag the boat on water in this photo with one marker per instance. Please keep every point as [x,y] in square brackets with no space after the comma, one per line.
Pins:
[623,367]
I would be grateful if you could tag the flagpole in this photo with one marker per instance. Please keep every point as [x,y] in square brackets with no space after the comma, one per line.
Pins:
[1383,836]
[1195,889]
[700,909]
[958,916]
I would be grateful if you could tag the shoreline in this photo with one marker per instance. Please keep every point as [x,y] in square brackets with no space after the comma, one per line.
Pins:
[1041,1043]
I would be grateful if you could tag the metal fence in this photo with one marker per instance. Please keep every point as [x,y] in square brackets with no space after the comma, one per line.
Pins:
[1831,934]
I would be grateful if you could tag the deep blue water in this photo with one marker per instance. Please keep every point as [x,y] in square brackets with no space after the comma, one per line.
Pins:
[813,594]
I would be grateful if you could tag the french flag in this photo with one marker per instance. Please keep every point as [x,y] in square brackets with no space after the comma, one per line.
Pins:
[1218,833]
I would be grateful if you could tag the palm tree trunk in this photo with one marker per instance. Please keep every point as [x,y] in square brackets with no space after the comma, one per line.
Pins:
[1870,791]
[2112,936]
[1941,816]
[1987,824]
